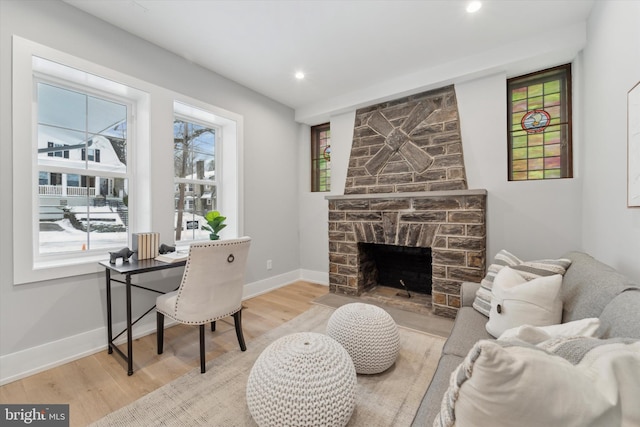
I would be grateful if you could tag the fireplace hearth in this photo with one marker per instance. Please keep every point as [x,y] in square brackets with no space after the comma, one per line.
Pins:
[451,224]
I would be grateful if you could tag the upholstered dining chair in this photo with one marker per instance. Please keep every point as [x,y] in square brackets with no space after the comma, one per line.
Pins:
[211,289]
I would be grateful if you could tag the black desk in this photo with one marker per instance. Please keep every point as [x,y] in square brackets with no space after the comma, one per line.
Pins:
[128,269]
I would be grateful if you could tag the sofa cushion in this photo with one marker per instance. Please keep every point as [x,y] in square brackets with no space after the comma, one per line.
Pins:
[430,405]
[588,286]
[537,334]
[529,269]
[503,258]
[516,301]
[583,382]
[621,317]
[468,328]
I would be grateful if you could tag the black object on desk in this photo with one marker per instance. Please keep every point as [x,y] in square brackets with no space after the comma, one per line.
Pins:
[128,269]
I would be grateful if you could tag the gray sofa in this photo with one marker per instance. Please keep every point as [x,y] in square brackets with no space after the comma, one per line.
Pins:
[589,289]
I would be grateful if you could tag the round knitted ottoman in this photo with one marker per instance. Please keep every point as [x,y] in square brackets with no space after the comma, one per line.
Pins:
[302,379]
[369,335]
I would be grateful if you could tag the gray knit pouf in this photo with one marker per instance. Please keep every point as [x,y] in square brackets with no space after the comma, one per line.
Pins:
[368,333]
[302,379]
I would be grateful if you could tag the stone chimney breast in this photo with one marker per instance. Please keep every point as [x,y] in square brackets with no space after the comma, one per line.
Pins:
[406,186]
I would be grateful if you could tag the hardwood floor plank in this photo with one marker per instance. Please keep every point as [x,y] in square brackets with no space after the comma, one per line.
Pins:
[98,384]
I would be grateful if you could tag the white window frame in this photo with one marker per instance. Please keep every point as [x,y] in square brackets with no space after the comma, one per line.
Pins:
[93,171]
[29,265]
[148,210]
[228,158]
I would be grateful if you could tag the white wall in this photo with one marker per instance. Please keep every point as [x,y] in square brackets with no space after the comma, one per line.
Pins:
[611,231]
[314,237]
[531,219]
[66,318]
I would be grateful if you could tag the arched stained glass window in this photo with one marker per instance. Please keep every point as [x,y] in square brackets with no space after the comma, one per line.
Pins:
[539,125]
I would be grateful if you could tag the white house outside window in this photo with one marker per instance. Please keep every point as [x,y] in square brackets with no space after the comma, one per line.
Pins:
[83,188]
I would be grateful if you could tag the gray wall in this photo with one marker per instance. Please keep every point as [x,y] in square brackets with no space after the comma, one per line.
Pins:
[610,230]
[41,313]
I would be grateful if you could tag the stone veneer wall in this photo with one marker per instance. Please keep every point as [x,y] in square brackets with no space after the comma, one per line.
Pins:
[409,144]
[452,223]
[406,185]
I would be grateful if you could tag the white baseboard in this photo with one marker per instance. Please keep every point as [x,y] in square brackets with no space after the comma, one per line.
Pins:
[266,285]
[30,361]
[319,277]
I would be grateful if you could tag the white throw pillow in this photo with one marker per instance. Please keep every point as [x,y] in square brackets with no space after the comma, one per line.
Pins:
[537,334]
[516,301]
[529,269]
[577,382]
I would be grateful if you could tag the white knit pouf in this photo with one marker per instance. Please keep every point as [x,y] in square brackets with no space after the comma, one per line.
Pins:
[368,333]
[302,379]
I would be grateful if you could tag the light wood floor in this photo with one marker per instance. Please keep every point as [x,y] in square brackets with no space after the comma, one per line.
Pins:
[98,384]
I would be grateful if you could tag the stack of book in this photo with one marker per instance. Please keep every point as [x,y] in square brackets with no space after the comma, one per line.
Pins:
[145,245]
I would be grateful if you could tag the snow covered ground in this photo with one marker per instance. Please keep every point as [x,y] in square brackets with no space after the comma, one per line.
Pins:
[63,237]
[70,239]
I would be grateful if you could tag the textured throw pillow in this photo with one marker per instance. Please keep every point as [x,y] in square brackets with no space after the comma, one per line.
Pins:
[529,269]
[516,301]
[573,382]
[537,334]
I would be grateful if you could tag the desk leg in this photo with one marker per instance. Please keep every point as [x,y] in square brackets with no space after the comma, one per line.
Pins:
[109,319]
[129,329]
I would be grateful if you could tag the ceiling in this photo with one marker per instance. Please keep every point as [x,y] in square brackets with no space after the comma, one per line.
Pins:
[344,47]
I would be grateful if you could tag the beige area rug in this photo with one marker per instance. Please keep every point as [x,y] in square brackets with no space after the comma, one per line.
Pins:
[217,398]
[429,323]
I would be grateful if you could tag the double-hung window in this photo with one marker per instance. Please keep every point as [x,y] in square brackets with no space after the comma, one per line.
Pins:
[83,177]
[90,162]
[206,164]
[80,144]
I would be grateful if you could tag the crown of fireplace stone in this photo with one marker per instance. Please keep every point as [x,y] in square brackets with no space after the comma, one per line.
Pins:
[410,144]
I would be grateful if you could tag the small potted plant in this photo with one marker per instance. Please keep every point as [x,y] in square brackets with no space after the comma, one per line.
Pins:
[215,223]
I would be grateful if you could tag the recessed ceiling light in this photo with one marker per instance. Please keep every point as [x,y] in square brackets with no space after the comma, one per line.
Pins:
[299,75]
[474,6]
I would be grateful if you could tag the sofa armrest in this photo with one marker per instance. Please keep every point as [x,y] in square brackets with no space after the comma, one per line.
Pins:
[468,293]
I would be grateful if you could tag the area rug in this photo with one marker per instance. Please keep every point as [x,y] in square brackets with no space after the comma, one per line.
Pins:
[429,323]
[217,398]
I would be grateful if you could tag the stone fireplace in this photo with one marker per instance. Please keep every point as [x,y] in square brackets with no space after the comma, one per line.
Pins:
[406,187]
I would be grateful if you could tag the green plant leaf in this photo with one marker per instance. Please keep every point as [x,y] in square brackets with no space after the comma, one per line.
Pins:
[215,223]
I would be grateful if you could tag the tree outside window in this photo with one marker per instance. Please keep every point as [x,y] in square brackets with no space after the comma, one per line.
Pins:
[195,177]
[539,125]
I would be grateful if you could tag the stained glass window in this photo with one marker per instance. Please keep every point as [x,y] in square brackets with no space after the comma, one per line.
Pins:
[539,125]
[321,157]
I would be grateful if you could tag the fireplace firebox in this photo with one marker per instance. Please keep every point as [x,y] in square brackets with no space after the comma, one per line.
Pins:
[402,267]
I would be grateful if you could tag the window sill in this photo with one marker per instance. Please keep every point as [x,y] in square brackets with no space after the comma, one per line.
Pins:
[57,269]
